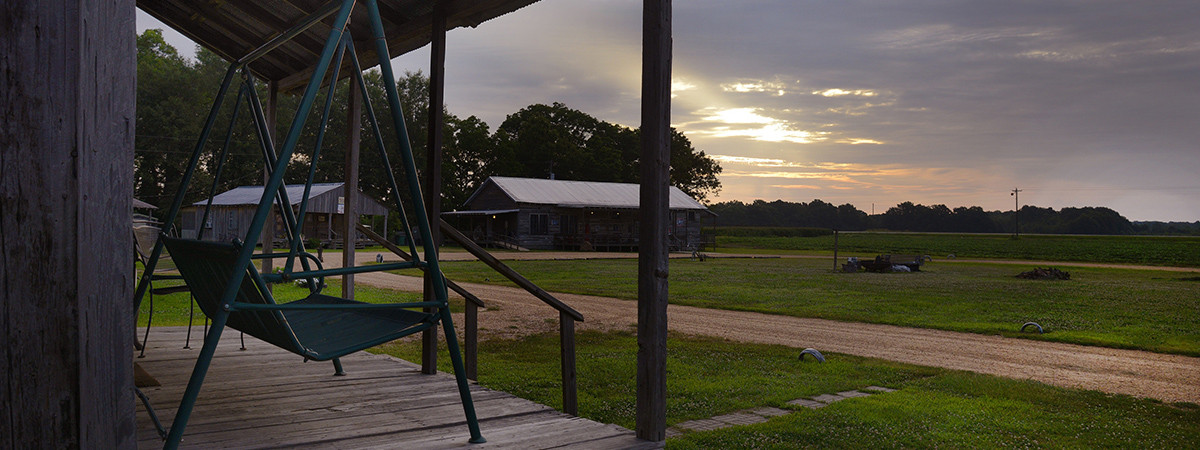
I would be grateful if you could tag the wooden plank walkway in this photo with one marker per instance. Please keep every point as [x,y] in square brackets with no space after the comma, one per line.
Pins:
[263,397]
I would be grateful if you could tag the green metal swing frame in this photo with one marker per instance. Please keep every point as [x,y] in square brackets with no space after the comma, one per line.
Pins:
[231,291]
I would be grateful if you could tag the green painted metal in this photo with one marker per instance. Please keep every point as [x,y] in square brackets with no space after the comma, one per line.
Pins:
[374,121]
[177,203]
[297,243]
[438,282]
[212,190]
[221,315]
[341,271]
[228,287]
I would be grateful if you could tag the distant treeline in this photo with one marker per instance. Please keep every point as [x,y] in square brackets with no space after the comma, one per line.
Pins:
[908,216]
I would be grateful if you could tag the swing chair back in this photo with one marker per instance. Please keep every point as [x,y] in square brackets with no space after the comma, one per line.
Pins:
[317,327]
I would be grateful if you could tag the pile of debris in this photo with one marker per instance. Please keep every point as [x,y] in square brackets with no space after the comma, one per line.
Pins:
[1045,274]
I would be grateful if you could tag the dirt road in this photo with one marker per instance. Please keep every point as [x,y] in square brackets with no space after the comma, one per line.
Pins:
[1172,378]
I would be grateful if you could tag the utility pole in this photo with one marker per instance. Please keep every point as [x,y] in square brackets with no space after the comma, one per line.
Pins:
[1016,193]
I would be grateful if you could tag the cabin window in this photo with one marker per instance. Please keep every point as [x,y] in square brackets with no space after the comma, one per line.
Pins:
[539,224]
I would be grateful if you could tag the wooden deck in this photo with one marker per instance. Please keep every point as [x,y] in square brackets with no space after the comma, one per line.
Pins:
[263,397]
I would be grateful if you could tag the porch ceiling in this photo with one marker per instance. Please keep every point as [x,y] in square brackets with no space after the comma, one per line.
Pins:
[234,28]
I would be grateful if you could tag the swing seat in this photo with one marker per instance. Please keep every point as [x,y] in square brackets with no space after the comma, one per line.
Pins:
[317,327]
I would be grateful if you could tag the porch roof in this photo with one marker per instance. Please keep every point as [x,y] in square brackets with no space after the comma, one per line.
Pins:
[235,28]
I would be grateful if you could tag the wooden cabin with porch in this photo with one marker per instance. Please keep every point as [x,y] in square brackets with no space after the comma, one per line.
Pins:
[233,210]
[541,214]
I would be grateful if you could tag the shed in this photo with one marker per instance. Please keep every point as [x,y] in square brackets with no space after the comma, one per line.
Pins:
[232,211]
[534,213]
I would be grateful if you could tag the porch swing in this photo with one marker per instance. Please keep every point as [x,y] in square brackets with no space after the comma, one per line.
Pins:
[226,284]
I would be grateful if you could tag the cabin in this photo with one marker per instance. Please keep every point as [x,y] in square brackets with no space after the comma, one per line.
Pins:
[233,210]
[531,213]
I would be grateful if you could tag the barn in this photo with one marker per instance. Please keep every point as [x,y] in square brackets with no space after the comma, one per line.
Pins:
[533,213]
[232,211]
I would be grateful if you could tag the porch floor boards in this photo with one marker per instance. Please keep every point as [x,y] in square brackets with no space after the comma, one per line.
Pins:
[264,397]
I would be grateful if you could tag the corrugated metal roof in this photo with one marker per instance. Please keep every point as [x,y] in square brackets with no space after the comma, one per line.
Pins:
[580,194]
[251,195]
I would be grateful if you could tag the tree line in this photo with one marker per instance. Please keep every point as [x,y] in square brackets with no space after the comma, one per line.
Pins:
[174,96]
[908,216]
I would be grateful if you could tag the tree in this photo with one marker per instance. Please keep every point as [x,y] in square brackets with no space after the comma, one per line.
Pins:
[541,141]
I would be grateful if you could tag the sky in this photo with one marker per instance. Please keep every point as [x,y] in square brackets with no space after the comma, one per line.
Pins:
[1074,102]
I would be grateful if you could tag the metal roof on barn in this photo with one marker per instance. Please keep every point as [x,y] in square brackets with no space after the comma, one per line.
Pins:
[234,28]
[250,196]
[582,194]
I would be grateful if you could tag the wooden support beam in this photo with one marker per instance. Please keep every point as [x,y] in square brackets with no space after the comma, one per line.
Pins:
[566,350]
[66,250]
[651,418]
[433,164]
[350,195]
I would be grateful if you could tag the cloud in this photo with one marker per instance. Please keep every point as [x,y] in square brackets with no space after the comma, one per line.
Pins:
[775,88]
[747,123]
[835,92]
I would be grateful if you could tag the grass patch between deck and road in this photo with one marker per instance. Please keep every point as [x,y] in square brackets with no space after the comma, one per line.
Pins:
[931,408]
[1139,309]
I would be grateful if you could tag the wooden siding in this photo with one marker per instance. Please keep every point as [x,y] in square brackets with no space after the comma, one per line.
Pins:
[66,250]
[266,397]
[232,222]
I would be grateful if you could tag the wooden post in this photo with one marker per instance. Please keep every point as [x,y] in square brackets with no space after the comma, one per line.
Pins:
[651,418]
[566,336]
[471,340]
[433,164]
[267,238]
[350,194]
[66,189]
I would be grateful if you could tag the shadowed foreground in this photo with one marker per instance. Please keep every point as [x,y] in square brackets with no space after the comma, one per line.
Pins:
[265,397]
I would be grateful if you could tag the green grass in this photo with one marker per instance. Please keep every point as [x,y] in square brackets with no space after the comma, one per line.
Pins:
[932,407]
[1141,309]
[1148,250]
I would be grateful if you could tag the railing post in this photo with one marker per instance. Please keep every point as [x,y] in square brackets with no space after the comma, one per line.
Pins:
[567,346]
[471,338]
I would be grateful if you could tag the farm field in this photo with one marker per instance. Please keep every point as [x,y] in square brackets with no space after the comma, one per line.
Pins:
[1139,309]
[1182,251]
[930,408]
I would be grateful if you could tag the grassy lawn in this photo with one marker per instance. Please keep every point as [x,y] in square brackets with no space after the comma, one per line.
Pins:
[1141,309]
[931,408]
[1181,251]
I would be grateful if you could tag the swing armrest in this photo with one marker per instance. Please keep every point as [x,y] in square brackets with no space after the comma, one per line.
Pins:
[239,306]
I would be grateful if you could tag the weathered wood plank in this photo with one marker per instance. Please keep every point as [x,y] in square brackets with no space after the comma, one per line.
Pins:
[652,259]
[66,155]
[266,398]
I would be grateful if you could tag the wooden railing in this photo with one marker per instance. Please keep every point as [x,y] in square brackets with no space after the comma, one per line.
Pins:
[471,322]
[567,316]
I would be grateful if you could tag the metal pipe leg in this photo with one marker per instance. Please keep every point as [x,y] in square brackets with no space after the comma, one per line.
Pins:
[337,368]
[460,375]
[175,434]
